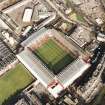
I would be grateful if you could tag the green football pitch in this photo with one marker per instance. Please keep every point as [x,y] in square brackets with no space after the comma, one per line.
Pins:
[13,81]
[54,57]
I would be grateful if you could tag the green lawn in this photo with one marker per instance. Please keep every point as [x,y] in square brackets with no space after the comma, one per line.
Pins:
[75,16]
[54,56]
[13,81]
[80,18]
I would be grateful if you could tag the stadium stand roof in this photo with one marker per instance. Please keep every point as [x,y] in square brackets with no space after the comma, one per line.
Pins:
[35,67]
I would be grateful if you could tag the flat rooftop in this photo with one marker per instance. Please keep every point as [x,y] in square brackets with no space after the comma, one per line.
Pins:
[81,36]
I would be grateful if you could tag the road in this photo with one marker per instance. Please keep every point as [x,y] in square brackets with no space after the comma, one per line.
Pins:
[96,86]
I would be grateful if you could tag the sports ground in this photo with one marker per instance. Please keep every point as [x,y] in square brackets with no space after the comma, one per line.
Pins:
[13,81]
[54,56]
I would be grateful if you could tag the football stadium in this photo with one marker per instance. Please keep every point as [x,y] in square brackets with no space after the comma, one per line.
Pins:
[54,60]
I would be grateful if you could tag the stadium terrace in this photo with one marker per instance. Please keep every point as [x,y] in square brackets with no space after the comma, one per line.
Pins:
[53,59]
